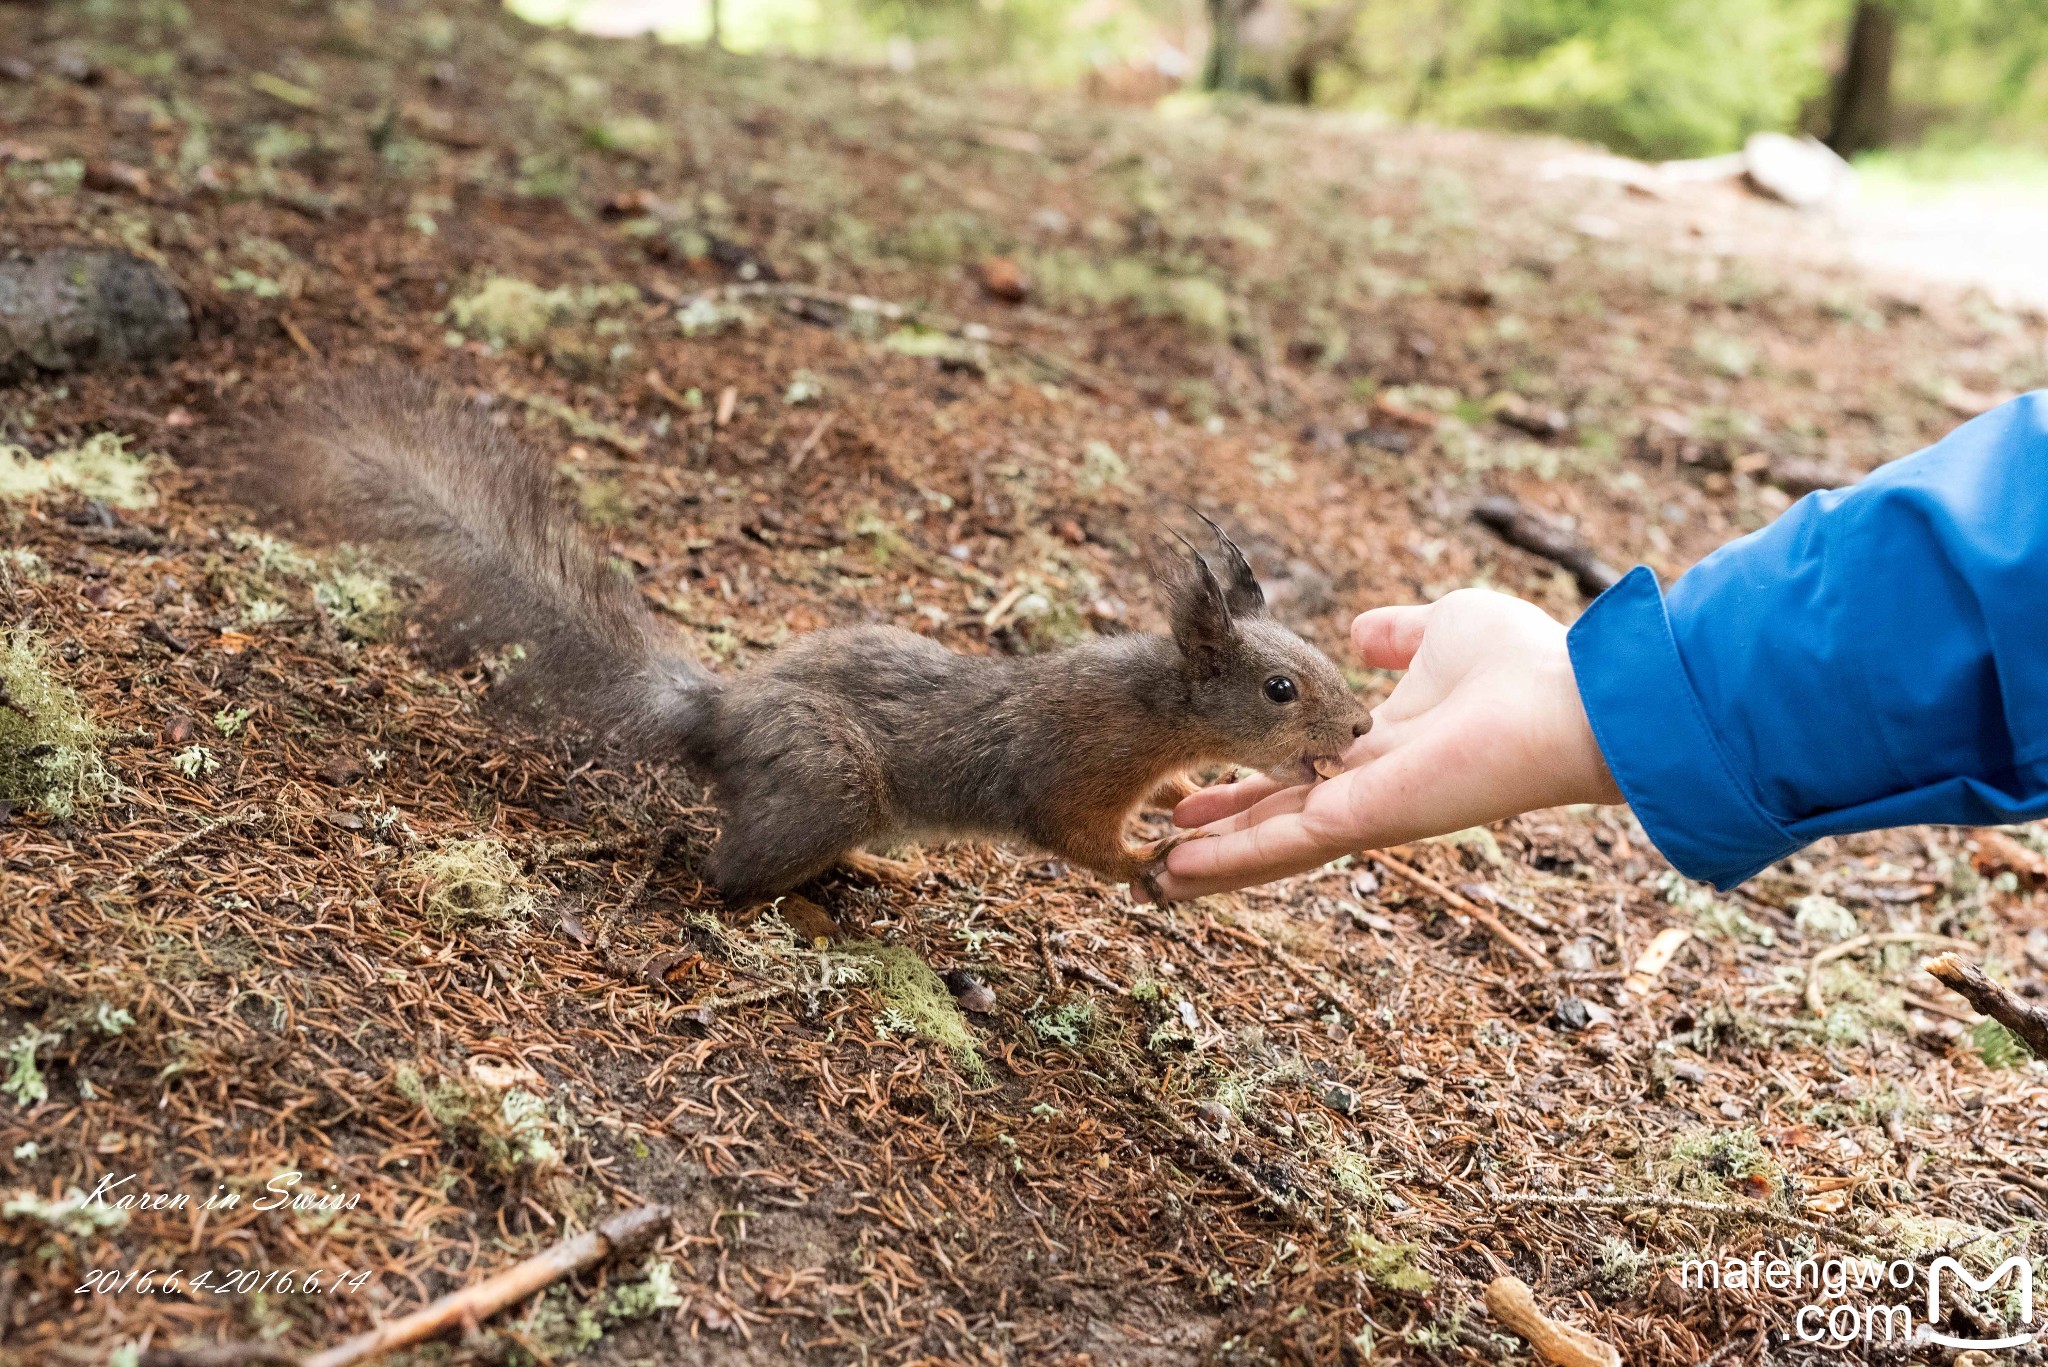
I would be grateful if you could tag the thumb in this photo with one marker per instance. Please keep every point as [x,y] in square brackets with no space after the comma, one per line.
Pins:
[1387,638]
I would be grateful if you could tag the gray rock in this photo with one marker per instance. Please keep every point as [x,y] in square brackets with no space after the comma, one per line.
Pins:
[73,309]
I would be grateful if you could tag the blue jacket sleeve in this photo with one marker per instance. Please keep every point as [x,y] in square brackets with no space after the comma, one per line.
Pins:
[1878,656]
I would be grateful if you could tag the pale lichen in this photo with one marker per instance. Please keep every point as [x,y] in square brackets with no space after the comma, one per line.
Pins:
[472,882]
[50,756]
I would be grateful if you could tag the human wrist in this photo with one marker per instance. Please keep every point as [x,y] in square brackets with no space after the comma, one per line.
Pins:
[1581,774]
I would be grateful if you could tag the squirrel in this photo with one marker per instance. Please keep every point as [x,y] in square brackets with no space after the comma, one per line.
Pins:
[846,738]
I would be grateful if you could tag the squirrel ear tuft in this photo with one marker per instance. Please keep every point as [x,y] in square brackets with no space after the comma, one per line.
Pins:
[1242,593]
[1198,605]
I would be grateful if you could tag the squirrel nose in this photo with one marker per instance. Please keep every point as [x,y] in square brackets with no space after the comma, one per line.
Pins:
[1359,728]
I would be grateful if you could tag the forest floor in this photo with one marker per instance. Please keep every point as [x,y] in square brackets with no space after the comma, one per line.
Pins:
[320,907]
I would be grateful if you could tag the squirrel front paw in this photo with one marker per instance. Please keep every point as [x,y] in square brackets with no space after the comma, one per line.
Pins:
[1154,856]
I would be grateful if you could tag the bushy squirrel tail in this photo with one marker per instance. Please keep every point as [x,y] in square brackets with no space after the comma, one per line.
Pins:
[391,459]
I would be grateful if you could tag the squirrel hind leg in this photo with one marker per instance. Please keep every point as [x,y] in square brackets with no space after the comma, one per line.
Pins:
[759,860]
[777,835]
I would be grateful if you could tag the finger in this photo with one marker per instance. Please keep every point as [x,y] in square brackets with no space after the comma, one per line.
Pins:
[1387,638]
[1274,848]
[1437,783]
[1223,799]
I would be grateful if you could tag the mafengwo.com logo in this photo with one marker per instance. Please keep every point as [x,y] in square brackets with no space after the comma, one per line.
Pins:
[1865,1301]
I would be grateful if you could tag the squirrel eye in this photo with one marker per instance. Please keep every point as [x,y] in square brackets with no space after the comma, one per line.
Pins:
[1280,688]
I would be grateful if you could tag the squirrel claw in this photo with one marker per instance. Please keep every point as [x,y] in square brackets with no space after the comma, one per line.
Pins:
[1155,856]
[1148,879]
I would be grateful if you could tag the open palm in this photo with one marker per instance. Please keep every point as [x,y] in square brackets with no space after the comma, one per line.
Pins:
[1486,723]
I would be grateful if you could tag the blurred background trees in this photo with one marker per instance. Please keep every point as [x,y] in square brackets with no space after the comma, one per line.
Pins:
[1652,78]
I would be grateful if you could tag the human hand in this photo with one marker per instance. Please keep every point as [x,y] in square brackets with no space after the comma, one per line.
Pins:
[1485,724]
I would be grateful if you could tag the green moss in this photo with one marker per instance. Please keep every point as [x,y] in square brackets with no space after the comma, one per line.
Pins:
[633,134]
[472,882]
[100,467]
[23,565]
[1621,1268]
[1199,303]
[74,1213]
[1822,919]
[916,999]
[1101,468]
[49,743]
[1391,1266]
[656,1292]
[1998,1046]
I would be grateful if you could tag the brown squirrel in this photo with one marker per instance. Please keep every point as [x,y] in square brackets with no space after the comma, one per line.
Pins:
[846,738]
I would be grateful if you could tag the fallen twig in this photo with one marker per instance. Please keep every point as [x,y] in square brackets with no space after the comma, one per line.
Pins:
[810,442]
[621,1234]
[1967,980]
[1539,535]
[184,843]
[1494,925]
[1817,1003]
[1760,1214]
[1210,1149]
[1514,1305]
[665,839]
[1301,971]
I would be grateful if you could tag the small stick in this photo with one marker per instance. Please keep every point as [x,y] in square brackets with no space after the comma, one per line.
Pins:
[621,1234]
[299,339]
[1761,1214]
[1494,925]
[1055,986]
[803,448]
[667,391]
[184,843]
[221,1355]
[662,842]
[1817,1003]
[1089,973]
[1287,961]
[1514,1305]
[1539,535]
[1967,980]
[1210,1149]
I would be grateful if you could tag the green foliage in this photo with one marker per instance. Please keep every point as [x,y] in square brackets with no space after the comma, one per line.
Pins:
[1649,79]
[1390,1266]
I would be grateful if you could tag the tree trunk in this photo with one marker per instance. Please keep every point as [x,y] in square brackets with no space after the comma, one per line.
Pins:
[1863,93]
[718,25]
[1226,44]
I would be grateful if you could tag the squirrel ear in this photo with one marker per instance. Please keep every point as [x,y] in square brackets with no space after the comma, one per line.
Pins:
[1199,606]
[1243,594]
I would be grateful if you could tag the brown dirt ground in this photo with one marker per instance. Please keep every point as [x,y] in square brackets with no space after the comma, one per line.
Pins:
[1278,1127]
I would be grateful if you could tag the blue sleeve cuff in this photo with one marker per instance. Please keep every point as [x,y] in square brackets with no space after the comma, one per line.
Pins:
[1655,737]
